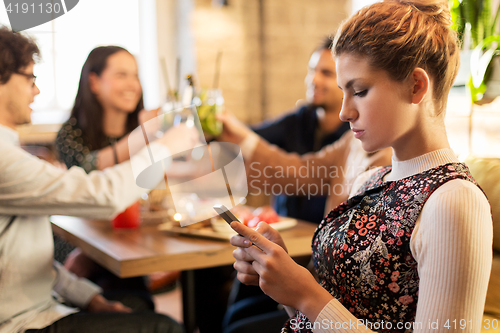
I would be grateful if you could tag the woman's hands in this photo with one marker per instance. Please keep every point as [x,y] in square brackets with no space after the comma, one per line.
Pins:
[271,268]
[180,138]
[146,115]
[243,264]
[106,156]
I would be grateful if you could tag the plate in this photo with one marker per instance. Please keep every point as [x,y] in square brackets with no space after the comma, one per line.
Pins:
[221,226]
[219,229]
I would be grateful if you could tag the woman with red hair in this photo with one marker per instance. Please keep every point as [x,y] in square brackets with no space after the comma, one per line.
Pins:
[410,250]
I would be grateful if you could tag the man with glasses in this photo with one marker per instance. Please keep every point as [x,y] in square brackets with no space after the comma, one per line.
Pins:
[29,76]
[30,191]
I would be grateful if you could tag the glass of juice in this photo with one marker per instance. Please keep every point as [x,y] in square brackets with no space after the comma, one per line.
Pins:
[209,104]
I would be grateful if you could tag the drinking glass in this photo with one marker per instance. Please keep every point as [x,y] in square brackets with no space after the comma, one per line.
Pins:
[209,104]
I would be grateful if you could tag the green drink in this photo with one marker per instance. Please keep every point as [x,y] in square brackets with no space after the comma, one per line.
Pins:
[210,103]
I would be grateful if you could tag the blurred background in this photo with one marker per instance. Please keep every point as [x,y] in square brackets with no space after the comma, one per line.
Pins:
[264,47]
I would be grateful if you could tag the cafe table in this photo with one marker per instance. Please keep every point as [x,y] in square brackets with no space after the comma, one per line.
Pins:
[147,249]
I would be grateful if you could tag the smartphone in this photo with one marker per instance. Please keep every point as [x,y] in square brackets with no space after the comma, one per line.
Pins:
[228,217]
[225,214]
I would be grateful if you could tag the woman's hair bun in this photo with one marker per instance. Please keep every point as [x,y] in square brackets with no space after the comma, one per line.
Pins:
[437,9]
[399,35]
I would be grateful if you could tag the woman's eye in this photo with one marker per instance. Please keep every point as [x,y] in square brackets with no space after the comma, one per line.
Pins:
[362,93]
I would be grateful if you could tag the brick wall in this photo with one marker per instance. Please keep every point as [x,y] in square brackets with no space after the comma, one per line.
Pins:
[266,45]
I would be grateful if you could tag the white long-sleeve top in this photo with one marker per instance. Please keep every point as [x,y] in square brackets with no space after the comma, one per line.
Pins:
[452,244]
[31,189]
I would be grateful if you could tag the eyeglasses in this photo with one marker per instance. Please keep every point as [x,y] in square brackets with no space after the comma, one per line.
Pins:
[29,76]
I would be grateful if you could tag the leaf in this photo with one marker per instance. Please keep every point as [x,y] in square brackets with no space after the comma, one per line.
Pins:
[485,19]
[479,64]
[495,20]
[476,94]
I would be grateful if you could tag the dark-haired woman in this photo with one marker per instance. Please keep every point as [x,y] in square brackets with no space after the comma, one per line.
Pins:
[107,107]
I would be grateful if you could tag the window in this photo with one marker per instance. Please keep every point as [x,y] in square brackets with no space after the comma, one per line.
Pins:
[65,43]
[358,4]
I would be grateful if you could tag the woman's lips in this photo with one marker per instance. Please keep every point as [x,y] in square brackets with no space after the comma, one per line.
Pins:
[358,133]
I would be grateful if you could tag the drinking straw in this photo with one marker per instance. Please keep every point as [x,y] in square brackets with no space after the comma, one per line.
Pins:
[178,69]
[211,157]
[217,69]
[165,74]
[228,187]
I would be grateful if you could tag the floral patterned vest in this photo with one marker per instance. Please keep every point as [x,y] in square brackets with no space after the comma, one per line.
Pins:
[361,250]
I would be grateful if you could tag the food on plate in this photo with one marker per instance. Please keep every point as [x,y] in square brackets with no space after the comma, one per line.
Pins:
[251,217]
[267,214]
[243,213]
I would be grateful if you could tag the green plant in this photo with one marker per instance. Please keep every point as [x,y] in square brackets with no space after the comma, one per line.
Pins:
[481,59]
[477,16]
[479,20]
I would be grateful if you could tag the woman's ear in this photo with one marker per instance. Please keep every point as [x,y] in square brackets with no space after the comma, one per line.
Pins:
[420,85]
[94,82]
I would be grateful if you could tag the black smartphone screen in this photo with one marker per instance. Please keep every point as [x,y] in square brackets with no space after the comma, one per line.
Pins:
[228,217]
[225,214]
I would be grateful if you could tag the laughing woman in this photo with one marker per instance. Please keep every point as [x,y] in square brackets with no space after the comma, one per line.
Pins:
[411,247]
[107,107]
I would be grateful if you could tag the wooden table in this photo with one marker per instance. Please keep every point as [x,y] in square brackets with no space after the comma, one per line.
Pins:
[138,252]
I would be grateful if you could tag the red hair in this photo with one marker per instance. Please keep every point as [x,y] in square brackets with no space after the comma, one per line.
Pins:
[398,36]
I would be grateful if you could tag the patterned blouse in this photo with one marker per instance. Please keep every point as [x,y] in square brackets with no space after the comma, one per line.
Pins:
[361,250]
[74,148]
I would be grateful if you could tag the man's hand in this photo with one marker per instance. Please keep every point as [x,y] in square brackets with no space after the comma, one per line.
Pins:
[233,130]
[100,304]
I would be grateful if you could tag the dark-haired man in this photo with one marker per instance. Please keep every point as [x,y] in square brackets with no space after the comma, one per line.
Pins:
[32,189]
[309,128]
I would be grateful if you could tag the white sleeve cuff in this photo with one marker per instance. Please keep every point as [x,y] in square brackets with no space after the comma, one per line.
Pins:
[336,318]
[78,291]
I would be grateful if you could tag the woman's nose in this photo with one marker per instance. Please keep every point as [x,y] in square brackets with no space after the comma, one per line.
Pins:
[348,112]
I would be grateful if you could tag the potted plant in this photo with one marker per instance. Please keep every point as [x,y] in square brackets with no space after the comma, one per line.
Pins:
[477,25]
[484,83]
